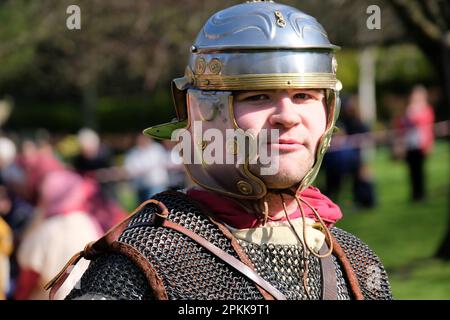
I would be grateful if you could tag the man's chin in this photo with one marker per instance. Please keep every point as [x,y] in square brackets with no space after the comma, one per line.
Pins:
[276,185]
[280,180]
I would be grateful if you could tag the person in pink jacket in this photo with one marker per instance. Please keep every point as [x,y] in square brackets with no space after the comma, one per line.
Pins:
[416,127]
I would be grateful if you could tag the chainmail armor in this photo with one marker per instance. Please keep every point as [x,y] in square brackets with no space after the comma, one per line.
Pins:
[342,285]
[370,272]
[113,276]
[188,271]
[284,266]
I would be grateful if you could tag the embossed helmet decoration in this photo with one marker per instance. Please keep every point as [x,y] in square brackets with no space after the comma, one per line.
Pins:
[259,45]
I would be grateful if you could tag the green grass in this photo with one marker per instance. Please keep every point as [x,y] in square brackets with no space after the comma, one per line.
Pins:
[406,235]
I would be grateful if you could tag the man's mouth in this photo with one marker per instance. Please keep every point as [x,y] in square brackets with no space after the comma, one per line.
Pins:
[287,145]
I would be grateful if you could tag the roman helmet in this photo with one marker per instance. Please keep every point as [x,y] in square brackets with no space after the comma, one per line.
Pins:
[256,45]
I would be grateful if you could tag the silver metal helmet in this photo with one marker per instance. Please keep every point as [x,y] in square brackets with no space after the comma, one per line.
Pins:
[258,45]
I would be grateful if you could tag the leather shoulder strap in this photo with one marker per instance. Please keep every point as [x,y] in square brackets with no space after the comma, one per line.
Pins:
[154,281]
[241,264]
[329,279]
[227,258]
[348,270]
[242,256]
[95,248]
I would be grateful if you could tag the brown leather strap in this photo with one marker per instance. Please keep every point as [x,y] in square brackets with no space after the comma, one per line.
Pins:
[234,243]
[227,258]
[348,270]
[329,280]
[154,281]
[102,245]
[93,249]
[241,255]
[58,281]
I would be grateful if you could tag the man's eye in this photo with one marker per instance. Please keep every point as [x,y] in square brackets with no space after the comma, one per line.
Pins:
[256,97]
[303,96]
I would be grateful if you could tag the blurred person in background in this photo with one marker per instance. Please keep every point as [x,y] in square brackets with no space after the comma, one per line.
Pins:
[94,163]
[146,164]
[6,244]
[175,168]
[359,134]
[416,139]
[8,152]
[17,214]
[63,224]
[93,155]
[6,248]
[33,163]
[15,211]
[37,161]
[346,158]
[337,163]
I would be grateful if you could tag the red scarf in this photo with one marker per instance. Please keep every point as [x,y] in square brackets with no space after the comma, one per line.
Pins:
[229,211]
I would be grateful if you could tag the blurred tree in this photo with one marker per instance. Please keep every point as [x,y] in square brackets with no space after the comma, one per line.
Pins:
[147,39]
[124,40]
[17,41]
[113,33]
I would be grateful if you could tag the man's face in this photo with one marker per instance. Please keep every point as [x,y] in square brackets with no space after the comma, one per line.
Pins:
[300,117]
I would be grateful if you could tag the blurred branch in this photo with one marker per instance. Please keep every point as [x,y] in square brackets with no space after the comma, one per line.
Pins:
[411,11]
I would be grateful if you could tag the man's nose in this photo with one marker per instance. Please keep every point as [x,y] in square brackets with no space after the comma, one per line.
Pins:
[285,114]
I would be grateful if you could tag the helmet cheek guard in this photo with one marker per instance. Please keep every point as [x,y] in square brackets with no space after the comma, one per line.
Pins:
[256,45]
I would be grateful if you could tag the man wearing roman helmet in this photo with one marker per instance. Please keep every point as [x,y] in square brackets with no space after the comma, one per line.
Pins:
[243,232]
